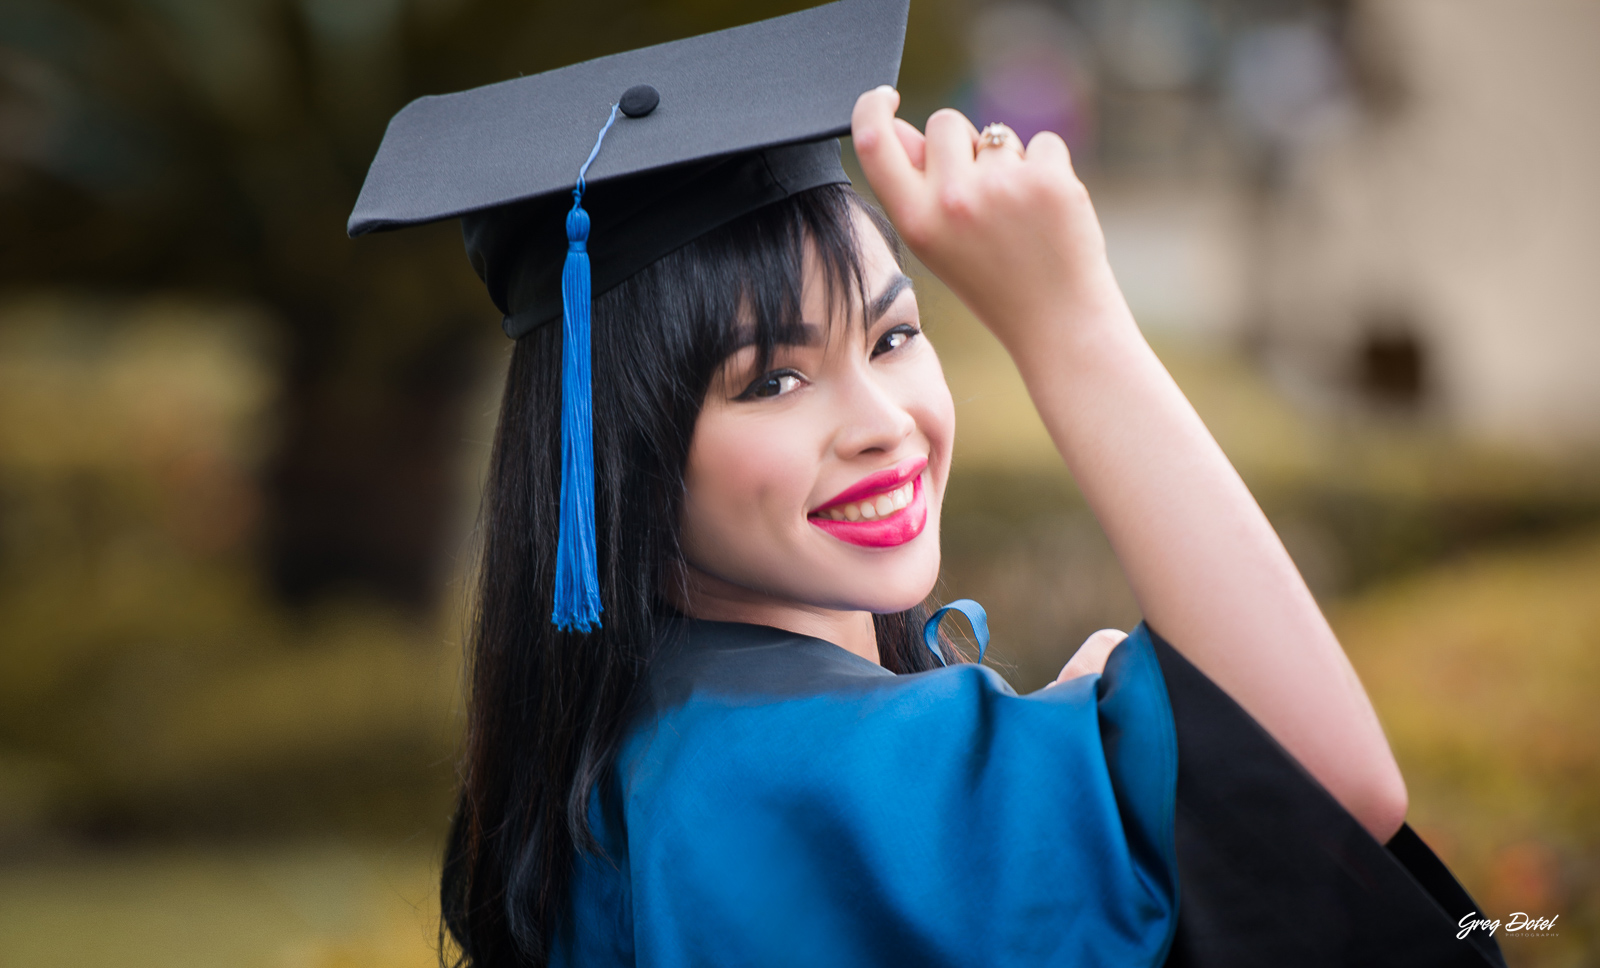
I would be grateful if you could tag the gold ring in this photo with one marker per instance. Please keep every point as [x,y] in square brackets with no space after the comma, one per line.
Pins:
[998,135]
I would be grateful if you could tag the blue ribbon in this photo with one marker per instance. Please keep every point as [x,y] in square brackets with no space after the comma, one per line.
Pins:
[975,614]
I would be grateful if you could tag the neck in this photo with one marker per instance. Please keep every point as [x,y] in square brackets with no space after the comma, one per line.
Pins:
[707,597]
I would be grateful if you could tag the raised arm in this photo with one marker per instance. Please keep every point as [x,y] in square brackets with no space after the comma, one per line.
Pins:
[1016,238]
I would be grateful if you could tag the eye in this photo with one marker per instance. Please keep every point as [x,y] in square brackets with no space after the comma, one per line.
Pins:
[773,384]
[895,338]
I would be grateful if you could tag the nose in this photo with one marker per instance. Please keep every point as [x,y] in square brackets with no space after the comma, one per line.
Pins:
[872,420]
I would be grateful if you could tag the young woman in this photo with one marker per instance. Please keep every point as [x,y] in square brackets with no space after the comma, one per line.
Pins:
[752,755]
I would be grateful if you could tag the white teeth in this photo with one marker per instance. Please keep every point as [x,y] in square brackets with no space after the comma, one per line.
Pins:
[877,507]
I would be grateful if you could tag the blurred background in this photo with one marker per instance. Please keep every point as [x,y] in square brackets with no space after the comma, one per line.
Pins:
[239,454]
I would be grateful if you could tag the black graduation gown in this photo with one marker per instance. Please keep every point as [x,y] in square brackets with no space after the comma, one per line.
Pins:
[1273,872]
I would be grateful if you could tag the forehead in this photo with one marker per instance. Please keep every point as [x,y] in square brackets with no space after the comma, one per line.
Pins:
[876,253]
[878,262]
[880,272]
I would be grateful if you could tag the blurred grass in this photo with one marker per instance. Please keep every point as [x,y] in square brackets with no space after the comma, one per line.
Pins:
[296,905]
[1486,674]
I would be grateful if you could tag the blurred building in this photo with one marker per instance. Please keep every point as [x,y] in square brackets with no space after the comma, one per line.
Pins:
[1436,249]
[1391,202]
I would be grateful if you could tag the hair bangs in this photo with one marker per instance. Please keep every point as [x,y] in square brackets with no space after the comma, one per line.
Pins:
[764,258]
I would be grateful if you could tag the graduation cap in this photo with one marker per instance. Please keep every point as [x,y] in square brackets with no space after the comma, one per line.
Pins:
[655,147]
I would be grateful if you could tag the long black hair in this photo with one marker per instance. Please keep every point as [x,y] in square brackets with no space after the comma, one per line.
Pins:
[547,710]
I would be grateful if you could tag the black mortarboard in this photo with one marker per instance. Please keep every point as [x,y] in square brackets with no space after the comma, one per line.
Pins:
[679,138]
[727,136]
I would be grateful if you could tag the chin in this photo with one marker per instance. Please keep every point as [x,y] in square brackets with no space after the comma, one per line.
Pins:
[895,582]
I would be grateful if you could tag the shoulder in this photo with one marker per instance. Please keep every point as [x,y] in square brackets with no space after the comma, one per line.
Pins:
[742,664]
[737,709]
[781,780]
[773,680]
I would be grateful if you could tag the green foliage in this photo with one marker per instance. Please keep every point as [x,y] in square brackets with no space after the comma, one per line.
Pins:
[1483,672]
[148,683]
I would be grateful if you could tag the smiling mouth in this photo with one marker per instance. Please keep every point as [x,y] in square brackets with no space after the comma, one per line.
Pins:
[883,510]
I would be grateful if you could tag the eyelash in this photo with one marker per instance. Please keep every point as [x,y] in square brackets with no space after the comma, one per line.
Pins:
[904,329]
[753,391]
[769,379]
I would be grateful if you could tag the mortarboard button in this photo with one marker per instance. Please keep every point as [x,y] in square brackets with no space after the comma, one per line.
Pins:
[639,100]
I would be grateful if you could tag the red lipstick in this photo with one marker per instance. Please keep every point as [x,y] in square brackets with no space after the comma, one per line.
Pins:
[883,529]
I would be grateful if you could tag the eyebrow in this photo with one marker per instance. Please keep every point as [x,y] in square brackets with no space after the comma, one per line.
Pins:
[900,283]
[811,334]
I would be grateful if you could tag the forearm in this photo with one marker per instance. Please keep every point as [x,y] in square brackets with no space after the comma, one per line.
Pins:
[1205,565]
[1013,233]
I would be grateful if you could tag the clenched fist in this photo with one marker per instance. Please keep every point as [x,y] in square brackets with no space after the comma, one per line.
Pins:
[1011,232]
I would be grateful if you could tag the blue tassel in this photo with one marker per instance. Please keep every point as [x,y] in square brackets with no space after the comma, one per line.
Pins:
[577,604]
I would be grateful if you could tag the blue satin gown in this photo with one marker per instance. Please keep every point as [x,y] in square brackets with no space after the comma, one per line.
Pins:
[785,802]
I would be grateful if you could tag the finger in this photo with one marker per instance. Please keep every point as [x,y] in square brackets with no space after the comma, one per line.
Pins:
[912,140]
[1047,148]
[1090,659]
[952,141]
[1106,639]
[894,179]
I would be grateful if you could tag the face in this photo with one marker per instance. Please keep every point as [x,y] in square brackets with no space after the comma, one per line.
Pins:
[816,481]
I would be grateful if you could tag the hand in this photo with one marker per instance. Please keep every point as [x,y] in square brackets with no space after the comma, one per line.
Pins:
[1012,233]
[1092,654]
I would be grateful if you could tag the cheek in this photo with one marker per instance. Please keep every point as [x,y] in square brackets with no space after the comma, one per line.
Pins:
[927,398]
[743,476]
